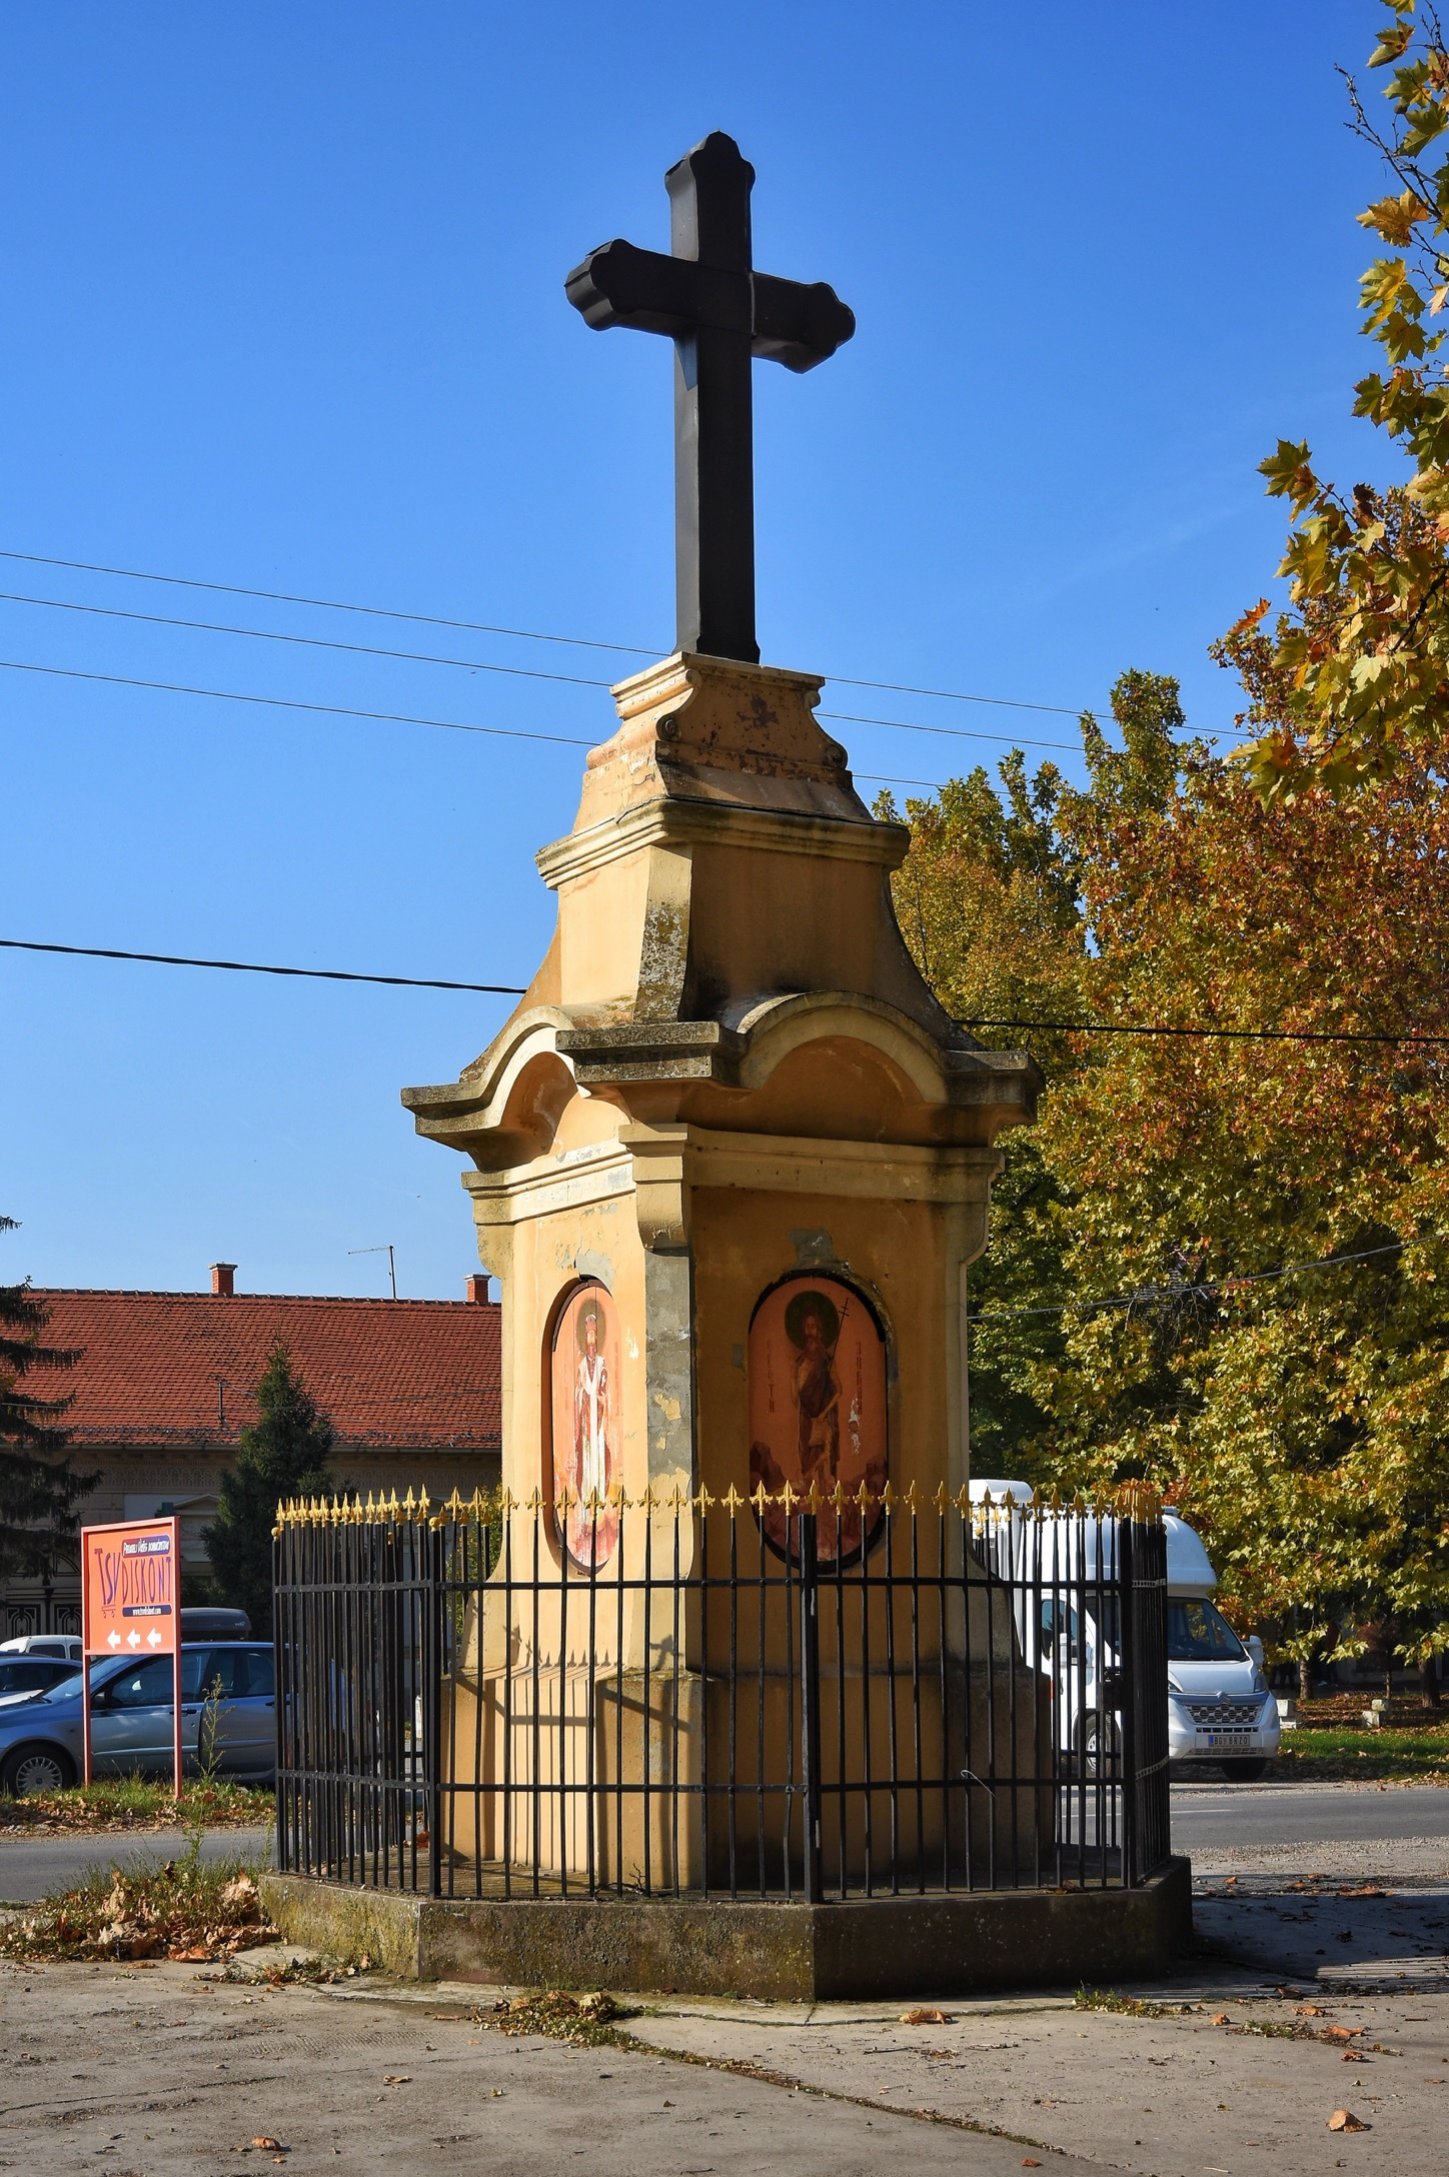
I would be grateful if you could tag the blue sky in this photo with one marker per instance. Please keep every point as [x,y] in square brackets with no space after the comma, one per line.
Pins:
[285,309]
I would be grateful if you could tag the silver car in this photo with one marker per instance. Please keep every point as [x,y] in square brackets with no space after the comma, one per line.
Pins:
[228,1713]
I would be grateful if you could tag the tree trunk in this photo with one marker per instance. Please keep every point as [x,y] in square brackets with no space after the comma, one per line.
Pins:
[1305,1678]
[1429,1681]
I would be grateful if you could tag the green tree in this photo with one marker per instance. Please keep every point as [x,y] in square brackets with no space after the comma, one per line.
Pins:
[284,1453]
[1220,1263]
[991,900]
[39,1489]
[1356,672]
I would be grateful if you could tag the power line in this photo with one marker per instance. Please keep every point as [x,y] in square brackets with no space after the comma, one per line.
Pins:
[347,710]
[534,635]
[1232,1035]
[954,733]
[427,657]
[483,627]
[531,672]
[516,990]
[254,967]
[330,604]
[1207,1291]
[293,703]
[952,695]
[303,642]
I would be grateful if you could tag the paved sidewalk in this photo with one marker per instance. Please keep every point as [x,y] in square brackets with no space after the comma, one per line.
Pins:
[155,2072]
[172,2072]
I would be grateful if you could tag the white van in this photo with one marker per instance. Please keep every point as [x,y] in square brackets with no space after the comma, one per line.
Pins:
[1219,1708]
[65,1645]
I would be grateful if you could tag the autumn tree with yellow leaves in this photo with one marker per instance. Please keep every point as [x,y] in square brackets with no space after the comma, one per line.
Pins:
[1353,676]
[1219,1260]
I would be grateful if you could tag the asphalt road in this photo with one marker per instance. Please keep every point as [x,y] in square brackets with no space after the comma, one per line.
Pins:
[1221,1818]
[1221,1827]
[32,1866]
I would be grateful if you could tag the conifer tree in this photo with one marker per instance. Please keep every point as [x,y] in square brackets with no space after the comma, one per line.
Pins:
[39,1489]
[282,1454]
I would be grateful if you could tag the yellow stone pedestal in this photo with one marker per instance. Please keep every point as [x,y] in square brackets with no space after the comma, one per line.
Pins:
[727,1075]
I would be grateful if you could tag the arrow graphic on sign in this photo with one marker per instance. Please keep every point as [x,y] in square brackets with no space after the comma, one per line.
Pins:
[153,1639]
[133,1640]
[113,1640]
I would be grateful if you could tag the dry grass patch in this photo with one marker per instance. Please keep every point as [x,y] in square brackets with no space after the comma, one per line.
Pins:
[136,1802]
[187,1909]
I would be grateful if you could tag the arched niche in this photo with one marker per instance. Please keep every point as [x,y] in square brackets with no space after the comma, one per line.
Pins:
[819,1412]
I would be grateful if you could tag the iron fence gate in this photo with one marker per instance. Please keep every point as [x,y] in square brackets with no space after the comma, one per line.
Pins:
[764,1697]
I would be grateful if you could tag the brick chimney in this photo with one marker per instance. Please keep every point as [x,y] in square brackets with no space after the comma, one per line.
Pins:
[476,1290]
[222,1274]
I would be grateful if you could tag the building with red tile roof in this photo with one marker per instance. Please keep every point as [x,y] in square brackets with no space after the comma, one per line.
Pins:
[166,1381]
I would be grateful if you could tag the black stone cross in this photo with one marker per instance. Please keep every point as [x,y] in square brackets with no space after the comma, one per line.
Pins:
[719,312]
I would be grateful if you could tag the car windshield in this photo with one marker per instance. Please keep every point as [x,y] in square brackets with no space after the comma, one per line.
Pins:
[60,1689]
[1197,1632]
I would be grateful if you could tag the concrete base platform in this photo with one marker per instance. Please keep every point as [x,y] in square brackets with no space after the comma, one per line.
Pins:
[957,1945]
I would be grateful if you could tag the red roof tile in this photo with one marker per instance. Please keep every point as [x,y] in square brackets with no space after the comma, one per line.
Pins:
[411,1374]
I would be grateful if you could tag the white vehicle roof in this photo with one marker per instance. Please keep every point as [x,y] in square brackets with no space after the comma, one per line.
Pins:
[1189,1568]
[1018,1492]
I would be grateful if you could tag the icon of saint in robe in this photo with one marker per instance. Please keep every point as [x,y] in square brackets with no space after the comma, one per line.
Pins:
[585,1425]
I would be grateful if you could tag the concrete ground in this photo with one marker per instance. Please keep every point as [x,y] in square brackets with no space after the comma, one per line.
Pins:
[145,2072]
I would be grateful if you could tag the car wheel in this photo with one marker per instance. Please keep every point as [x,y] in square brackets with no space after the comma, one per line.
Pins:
[36,1769]
[1245,1772]
[1099,1745]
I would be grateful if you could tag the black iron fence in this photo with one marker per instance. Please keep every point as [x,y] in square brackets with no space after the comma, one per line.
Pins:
[764,1697]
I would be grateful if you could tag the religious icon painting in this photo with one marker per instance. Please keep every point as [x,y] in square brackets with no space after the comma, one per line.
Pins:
[584,1415]
[817,1382]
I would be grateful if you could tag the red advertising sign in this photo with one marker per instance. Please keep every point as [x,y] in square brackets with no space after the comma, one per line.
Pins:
[130,1584]
[131,1604]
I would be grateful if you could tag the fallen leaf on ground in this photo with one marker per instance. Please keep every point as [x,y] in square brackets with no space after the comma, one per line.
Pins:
[1366,1889]
[925,2018]
[1220,2018]
[1310,2010]
[1344,2120]
[1342,2033]
[397,2078]
[268,2144]
[1029,2161]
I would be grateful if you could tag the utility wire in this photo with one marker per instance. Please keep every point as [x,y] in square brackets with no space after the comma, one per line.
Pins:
[330,604]
[347,710]
[253,967]
[1210,1290]
[1228,1035]
[429,657]
[304,642]
[516,990]
[483,627]
[292,703]
[954,733]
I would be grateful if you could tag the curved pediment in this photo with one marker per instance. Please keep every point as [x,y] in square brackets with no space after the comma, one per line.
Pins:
[506,1108]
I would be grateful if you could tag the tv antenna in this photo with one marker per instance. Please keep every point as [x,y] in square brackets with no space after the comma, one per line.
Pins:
[385,1249]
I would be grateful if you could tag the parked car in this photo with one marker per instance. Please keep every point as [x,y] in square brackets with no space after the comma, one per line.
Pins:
[1219,1706]
[32,1673]
[41,1734]
[66,1645]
